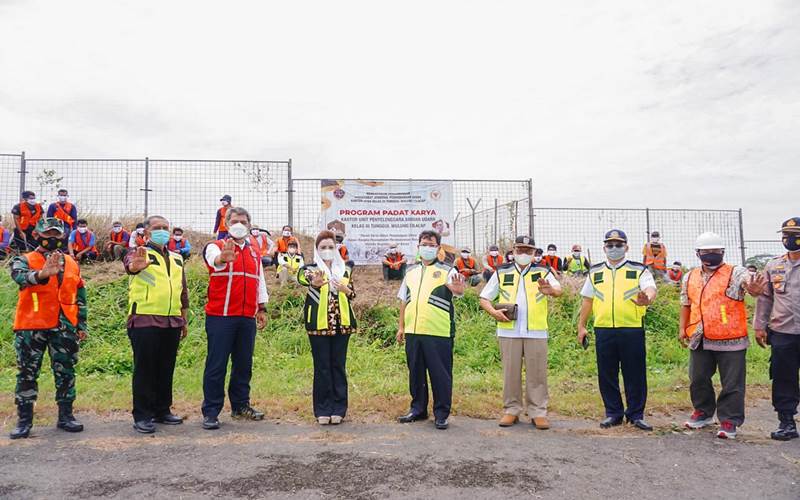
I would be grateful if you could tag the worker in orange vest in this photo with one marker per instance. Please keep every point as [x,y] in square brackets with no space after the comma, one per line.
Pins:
[491,261]
[138,238]
[342,249]
[655,255]
[552,260]
[117,243]
[50,316]
[394,263]
[675,273]
[260,240]
[26,214]
[468,267]
[282,244]
[5,241]
[713,325]
[179,244]
[82,243]
[64,210]
[220,226]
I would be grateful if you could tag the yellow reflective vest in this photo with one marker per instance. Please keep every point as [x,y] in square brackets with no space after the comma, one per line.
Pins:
[156,289]
[429,303]
[315,310]
[614,291]
[508,277]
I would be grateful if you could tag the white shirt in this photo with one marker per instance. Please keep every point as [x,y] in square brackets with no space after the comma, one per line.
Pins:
[132,239]
[646,281]
[492,290]
[213,251]
[401,294]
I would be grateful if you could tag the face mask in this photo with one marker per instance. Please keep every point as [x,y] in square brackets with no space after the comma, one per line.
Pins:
[81,230]
[51,242]
[511,258]
[464,255]
[392,250]
[536,259]
[287,233]
[327,253]
[255,232]
[428,253]
[655,240]
[791,243]
[224,203]
[712,260]
[117,229]
[494,253]
[140,230]
[238,231]
[551,253]
[615,253]
[576,254]
[522,259]
[31,201]
[178,237]
[338,246]
[292,250]
[62,199]
[159,236]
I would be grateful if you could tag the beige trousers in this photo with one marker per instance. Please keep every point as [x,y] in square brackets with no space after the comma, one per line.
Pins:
[534,352]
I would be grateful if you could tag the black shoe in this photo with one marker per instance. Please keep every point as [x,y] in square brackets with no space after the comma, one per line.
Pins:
[412,417]
[611,422]
[66,420]
[639,423]
[24,422]
[168,419]
[247,413]
[441,424]
[210,423]
[144,426]
[787,430]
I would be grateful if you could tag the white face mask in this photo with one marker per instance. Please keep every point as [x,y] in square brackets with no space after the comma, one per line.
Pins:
[291,250]
[81,230]
[62,199]
[464,255]
[576,254]
[224,203]
[327,253]
[178,237]
[511,258]
[255,232]
[117,229]
[655,240]
[494,253]
[140,230]
[287,233]
[31,201]
[238,231]
[522,259]
[538,258]
[551,253]
[338,246]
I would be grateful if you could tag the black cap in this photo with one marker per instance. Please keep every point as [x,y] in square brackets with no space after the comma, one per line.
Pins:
[655,234]
[791,225]
[551,246]
[616,235]
[524,241]
[226,197]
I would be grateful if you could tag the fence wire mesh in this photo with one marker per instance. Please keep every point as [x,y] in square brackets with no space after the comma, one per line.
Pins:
[10,165]
[760,251]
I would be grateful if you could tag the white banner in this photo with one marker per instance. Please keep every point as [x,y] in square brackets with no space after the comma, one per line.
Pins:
[374,214]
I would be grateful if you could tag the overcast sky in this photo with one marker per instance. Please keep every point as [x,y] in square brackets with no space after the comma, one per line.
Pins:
[623,103]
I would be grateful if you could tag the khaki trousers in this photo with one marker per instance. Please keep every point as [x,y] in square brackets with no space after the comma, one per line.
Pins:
[534,352]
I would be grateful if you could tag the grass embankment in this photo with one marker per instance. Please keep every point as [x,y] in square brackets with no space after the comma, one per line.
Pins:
[376,365]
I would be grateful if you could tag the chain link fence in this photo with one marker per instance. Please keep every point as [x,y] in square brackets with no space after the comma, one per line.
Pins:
[758,252]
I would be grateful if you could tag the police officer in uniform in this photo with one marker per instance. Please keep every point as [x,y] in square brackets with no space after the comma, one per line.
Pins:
[777,323]
[50,316]
[618,292]
[427,326]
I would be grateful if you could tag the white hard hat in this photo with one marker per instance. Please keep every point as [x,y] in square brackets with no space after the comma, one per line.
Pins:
[709,241]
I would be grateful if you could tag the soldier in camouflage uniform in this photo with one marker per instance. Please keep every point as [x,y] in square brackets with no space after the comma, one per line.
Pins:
[50,316]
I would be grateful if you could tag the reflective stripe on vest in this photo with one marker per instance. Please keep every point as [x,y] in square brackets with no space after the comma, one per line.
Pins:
[614,291]
[316,307]
[233,291]
[429,304]
[155,290]
[63,213]
[39,306]
[723,318]
[576,265]
[657,261]
[508,281]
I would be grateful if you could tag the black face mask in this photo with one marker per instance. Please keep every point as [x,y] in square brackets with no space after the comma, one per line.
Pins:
[50,243]
[791,243]
[711,259]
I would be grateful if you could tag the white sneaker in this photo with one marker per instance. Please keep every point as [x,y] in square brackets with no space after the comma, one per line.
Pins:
[336,419]
[324,420]
[727,430]
[698,420]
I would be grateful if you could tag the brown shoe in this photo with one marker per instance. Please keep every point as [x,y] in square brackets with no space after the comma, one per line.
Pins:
[541,423]
[508,420]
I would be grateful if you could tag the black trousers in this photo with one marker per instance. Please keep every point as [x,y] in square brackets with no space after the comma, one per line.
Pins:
[154,353]
[783,368]
[434,355]
[622,348]
[234,338]
[330,374]
[732,366]
[394,274]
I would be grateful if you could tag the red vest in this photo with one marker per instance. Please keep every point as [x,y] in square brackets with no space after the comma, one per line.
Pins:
[118,237]
[176,246]
[62,212]
[27,217]
[494,261]
[234,290]
[344,253]
[82,241]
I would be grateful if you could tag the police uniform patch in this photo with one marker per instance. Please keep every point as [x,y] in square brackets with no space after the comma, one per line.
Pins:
[598,278]
[630,275]
[508,279]
[536,276]
[437,274]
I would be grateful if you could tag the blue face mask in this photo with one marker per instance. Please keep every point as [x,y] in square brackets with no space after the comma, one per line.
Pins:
[428,253]
[159,236]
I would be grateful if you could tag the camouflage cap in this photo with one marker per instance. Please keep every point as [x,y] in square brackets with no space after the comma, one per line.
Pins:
[49,223]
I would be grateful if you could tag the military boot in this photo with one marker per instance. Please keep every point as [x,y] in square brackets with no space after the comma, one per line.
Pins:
[66,420]
[24,423]
[787,429]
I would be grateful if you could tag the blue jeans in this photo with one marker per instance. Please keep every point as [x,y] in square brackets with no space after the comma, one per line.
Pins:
[229,337]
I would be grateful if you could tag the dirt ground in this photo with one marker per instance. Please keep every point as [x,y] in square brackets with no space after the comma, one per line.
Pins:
[473,459]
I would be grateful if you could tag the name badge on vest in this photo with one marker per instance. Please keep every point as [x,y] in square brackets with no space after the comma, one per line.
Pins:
[535,276]
[598,278]
[631,275]
[508,279]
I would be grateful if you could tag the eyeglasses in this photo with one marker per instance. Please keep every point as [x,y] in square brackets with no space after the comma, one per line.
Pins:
[615,245]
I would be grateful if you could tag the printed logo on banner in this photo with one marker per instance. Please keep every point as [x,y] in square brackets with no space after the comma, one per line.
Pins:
[338,194]
[435,195]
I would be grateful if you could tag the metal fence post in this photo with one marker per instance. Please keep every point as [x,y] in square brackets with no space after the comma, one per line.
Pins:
[22,171]
[473,208]
[741,236]
[647,221]
[290,194]
[495,224]
[146,184]
[530,209]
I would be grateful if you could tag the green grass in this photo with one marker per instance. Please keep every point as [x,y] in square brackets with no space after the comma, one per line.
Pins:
[376,365]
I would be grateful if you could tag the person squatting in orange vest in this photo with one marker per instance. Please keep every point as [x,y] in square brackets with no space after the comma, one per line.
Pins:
[237,306]
[50,316]
[713,325]
[5,240]
[491,261]
[675,273]
[82,243]
[179,244]
[655,254]
[26,214]
[468,267]
[220,226]
[117,243]
[138,238]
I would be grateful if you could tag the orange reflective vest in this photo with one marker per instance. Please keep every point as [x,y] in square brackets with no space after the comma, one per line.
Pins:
[39,306]
[221,215]
[62,212]
[283,244]
[723,318]
[494,261]
[82,241]
[462,265]
[658,261]
[344,253]
[28,218]
[260,244]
